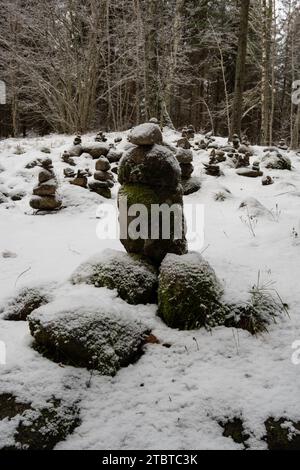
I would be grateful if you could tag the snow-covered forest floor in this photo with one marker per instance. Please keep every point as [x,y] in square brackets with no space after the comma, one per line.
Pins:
[173,397]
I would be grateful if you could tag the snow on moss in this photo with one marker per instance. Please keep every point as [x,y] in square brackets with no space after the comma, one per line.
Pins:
[88,332]
[134,278]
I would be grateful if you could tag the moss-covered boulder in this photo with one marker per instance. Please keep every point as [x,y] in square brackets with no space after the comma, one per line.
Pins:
[134,278]
[188,292]
[153,247]
[26,300]
[84,332]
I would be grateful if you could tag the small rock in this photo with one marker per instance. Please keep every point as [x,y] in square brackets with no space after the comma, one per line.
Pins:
[184,155]
[267,180]
[102,164]
[190,186]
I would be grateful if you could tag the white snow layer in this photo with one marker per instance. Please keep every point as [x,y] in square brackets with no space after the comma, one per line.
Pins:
[172,398]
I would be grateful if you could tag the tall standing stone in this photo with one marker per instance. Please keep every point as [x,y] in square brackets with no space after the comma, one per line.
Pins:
[150,176]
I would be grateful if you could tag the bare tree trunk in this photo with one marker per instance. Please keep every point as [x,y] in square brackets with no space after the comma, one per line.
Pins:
[267,7]
[240,68]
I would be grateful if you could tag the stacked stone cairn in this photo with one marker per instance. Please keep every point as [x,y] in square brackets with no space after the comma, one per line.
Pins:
[76,149]
[100,137]
[103,178]
[149,174]
[80,179]
[185,159]
[253,172]
[44,194]
[66,158]
[212,169]
[236,141]
[282,145]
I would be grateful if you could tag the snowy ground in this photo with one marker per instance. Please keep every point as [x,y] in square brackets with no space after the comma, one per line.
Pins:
[172,398]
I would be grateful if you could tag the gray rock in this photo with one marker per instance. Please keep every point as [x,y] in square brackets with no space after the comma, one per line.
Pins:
[102,164]
[75,150]
[46,189]
[101,188]
[87,335]
[114,156]
[250,173]
[145,134]
[184,155]
[103,176]
[96,149]
[186,170]
[46,203]
[45,175]
[190,186]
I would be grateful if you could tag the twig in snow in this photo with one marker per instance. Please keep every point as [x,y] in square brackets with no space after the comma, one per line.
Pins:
[20,275]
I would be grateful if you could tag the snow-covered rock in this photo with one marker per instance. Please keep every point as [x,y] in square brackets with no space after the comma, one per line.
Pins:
[132,276]
[156,166]
[76,330]
[189,291]
[146,134]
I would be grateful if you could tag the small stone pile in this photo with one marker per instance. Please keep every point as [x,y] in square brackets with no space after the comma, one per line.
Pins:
[217,156]
[66,158]
[101,137]
[77,140]
[80,179]
[150,175]
[103,178]
[184,143]
[76,149]
[282,145]
[212,169]
[185,159]
[267,181]
[236,141]
[253,172]
[44,194]
[69,172]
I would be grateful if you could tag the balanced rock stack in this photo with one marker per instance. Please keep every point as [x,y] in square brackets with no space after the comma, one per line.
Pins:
[80,179]
[44,194]
[150,175]
[66,158]
[236,141]
[185,159]
[76,150]
[103,178]
[100,137]
[253,172]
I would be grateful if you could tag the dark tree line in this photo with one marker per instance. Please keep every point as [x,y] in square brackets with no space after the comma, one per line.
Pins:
[73,65]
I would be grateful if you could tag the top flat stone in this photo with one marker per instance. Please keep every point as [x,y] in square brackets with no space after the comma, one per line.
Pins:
[146,134]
